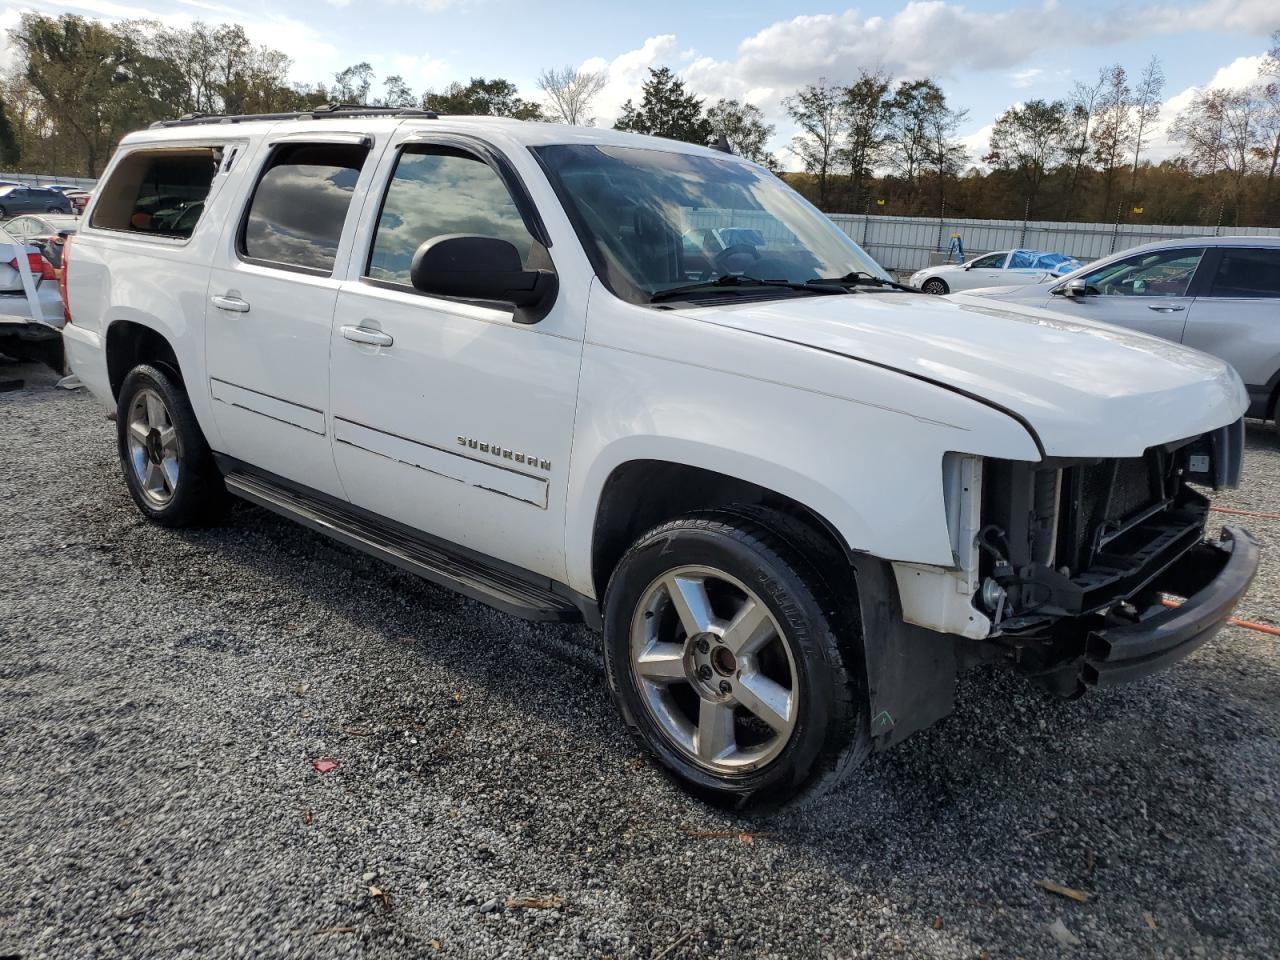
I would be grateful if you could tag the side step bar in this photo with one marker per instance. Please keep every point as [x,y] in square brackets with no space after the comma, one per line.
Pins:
[427,559]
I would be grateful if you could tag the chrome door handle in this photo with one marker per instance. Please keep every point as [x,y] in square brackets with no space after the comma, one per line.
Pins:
[364,335]
[1160,309]
[230,304]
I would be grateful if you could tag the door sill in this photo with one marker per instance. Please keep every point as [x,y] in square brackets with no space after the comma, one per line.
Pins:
[430,559]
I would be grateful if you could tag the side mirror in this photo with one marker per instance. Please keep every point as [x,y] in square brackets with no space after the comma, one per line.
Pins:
[1074,288]
[473,267]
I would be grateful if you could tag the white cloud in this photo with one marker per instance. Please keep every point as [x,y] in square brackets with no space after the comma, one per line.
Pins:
[1022,79]
[1238,74]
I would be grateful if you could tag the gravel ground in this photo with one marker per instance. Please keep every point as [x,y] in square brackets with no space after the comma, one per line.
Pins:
[164,694]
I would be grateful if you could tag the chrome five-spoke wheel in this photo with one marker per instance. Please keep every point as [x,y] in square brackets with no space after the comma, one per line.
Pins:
[714,669]
[155,452]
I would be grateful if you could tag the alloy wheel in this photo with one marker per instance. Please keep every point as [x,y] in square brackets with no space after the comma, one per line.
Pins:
[154,451]
[714,669]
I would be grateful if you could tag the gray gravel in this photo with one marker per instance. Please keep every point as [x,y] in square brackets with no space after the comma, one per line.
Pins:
[163,696]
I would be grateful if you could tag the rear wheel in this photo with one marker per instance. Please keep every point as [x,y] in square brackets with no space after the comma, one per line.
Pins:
[168,467]
[55,210]
[935,286]
[731,661]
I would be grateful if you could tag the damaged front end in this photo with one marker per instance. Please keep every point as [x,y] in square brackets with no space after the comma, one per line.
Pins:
[1077,558]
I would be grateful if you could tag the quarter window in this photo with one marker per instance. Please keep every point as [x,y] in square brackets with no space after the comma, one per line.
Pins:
[1247,274]
[300,205]
[149,191]
[437,191]
[1162,273]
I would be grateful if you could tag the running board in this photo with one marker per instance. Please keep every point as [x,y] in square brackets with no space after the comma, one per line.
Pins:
[427,559]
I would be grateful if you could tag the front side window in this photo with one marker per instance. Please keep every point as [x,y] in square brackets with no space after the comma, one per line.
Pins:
[437,191]
[148,191]
[992,261]
[1247,274]
[298,209]
[652,220]
[1161,273]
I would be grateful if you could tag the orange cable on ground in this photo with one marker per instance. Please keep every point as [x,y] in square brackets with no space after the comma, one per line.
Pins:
[1246,513]
[1234,621]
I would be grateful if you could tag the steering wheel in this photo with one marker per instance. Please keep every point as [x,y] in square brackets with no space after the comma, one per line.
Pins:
[720,262]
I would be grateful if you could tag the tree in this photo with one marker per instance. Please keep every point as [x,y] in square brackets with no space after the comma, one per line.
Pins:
[1269,121]
[743,126]
[571,92]
[1221,131]
[666,110]
[352,85]
[1146,110]
[9,151]
[1112,130]
[482,98]
[1083,102]
[1030,140]
[818,110]
[397,93]
[866,116]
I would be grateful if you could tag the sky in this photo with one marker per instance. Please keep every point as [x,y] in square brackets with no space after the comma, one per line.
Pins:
[986,54]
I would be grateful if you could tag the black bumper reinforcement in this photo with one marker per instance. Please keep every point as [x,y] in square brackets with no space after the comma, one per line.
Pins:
[1213,577]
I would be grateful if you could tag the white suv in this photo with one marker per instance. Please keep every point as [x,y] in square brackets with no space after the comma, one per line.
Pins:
[796,497]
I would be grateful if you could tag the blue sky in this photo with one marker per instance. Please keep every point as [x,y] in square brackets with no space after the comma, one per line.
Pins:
[986,54]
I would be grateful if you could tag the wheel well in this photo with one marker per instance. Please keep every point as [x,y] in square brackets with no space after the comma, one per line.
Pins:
[129,344]
[643,494]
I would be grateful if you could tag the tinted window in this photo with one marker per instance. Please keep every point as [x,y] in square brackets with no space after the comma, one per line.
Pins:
[1248,274]
[1162,273]
[993,261]
[437,191]
[149,190]
[300,204]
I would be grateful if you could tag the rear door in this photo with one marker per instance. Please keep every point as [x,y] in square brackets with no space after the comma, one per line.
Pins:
[271,298]
[1150,292]
[1236,315]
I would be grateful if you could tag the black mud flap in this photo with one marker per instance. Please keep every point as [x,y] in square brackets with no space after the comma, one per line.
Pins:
[911,671]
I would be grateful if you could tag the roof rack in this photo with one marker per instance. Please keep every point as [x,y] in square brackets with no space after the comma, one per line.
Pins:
[322,112]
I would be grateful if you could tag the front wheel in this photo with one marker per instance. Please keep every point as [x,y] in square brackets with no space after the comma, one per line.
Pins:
[168,467]
[935,286]
[732,661]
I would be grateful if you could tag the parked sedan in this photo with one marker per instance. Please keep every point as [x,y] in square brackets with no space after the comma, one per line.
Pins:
[1217,294]
[22,199]
[78,196]
[48,232]
[993,269]
[31,313]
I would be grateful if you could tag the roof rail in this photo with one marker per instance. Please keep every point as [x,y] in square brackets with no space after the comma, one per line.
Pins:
[321,112]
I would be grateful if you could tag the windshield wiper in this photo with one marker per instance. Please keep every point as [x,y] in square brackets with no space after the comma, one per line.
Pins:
[862,278]
[732,280]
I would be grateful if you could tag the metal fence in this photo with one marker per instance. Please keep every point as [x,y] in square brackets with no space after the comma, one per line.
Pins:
[906,244]
[43,180]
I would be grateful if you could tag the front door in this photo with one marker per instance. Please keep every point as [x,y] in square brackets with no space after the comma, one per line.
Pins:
[271,300]
[449,416]
[1147,292]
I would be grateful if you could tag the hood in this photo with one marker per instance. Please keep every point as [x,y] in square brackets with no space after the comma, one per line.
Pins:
[1086,389]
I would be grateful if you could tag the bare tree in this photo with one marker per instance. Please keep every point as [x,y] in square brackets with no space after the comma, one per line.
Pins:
[1146,110]
[570,92]
[1112,131]
[1221,130]
[1270,97]
[1082,104]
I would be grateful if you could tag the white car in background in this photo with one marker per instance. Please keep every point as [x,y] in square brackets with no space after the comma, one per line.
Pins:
[31,312]
[1002,268]
[1217,294]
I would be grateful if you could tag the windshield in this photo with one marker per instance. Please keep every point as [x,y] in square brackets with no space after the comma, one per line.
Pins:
[652,220]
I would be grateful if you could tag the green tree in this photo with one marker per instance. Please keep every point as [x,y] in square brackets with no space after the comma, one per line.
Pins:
[1030,139]
[866,114]
[743,126]
[397,93]
[352,84]
[10,154]
[666,110]
[818,111]
[481,97]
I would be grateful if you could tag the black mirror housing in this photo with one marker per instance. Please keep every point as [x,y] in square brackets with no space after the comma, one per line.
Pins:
[473,267]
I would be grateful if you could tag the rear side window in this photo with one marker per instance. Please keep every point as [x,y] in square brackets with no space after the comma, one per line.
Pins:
[1247,274]
[300,204]
[149,191]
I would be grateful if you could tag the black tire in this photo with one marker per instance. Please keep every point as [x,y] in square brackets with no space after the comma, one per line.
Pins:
[55,210]
[198,495]
[4,214]
[831,732]
[935,286]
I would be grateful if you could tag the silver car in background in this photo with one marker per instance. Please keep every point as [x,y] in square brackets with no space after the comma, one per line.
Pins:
[1216,294]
